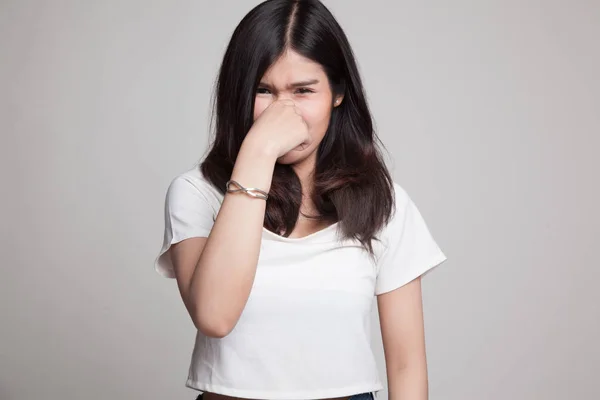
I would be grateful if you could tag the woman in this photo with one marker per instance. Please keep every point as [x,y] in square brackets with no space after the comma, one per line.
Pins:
[290,226]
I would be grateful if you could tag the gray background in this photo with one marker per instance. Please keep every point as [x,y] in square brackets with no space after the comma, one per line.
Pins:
[490,111]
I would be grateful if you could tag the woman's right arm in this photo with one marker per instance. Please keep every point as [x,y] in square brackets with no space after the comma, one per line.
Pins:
[215,274]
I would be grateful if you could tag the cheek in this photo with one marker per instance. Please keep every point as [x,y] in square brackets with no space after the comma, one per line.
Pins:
[316,115]
[260,105]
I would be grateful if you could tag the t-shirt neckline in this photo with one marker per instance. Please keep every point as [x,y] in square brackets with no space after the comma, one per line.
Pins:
[303,238]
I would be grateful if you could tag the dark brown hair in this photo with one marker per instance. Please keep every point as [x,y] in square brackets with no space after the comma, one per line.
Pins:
[352,183]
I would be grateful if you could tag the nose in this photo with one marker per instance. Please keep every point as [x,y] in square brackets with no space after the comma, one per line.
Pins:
[284,96]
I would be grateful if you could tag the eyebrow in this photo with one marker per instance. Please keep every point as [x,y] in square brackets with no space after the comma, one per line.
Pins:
[295,84]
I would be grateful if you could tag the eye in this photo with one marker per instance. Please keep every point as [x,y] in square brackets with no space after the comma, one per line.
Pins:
[305,91]
[262,91]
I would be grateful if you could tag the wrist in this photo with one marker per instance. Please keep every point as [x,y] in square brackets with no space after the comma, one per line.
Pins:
[254,166]
[263,149]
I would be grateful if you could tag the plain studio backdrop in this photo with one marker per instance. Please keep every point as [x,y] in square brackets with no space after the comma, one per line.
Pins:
[490,112]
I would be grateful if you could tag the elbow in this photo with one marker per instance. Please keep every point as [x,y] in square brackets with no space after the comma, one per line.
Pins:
[213,327]
[213,331]
[415,365]
[212,318]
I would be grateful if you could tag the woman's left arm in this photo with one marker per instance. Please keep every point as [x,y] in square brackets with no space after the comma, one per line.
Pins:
[403,333]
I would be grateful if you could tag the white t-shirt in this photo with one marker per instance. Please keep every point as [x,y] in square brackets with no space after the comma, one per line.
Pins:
[305,330]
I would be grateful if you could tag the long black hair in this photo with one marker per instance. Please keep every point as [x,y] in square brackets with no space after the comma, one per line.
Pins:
[352,184]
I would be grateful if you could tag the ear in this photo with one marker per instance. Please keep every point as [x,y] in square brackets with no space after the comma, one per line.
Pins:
[338,100]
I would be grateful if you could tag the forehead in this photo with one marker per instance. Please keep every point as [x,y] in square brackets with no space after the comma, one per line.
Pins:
[291,66]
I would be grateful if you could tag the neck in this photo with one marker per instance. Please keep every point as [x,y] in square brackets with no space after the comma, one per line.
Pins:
[305,171]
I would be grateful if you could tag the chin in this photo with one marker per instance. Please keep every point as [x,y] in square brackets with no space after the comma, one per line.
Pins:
[288,158]
[294,157]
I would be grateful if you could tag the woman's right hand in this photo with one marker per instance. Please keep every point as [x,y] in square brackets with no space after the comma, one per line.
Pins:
[280,129]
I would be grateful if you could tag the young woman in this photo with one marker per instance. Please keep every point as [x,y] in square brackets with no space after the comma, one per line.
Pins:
[291,225]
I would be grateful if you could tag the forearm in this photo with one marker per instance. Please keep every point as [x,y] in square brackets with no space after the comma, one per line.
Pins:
[409,382]
[225,272]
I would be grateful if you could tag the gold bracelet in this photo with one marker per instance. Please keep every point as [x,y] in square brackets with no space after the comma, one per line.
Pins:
[257,193]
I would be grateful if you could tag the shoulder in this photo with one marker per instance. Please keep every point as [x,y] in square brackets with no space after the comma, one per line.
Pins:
[401,197]
[401,202]
[403,208]
[192,184]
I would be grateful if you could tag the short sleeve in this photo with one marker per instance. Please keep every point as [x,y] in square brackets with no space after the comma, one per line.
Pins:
[410,250]
[188,214]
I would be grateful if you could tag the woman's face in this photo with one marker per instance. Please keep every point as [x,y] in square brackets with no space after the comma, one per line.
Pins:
[314,98]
